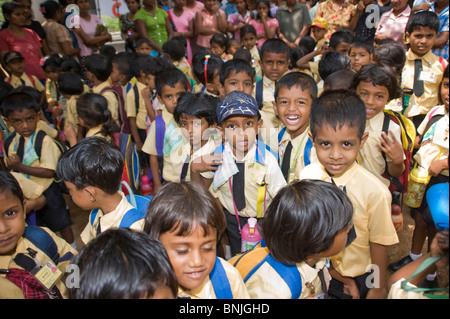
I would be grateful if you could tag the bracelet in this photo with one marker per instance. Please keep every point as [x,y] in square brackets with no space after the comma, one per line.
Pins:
[217,14]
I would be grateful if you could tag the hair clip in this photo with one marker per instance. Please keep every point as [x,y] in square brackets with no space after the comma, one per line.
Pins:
[206,68]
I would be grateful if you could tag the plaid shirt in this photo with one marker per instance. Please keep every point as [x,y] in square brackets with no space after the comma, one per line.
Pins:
[29,285]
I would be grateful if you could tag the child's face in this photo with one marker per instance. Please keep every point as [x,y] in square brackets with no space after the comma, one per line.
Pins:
[318,33]
[240,131]
[274,65]
[339,242]
[338,148]
[12,222]
[193,129]
[81,197]
[144,48]
[262,9]
[169,95]
[217,49]
[209,4]
[248,41]
[375,97]
[343,47]
[421,40]
[240,5]
[293,106]
[149,80]
[444,92]
[24,121]
[16,66]
[359,57]
[52,74]
[115,75]
[240,81]
[192,257]
[234,46]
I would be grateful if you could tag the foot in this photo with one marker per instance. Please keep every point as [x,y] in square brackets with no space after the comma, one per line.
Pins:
[393,267]
[429,283]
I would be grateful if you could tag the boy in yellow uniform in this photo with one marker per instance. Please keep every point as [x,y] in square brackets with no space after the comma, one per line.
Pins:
[15,65]
[188,221]
[94,184]
[423,70]
[294,94]
[337,130]
[34,154]
[23,248]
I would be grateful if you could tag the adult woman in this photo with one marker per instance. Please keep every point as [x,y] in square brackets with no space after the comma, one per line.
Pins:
[208,21]
[59,39]
[127,29]
[86,32]
[337,13]
[184,23]
[15,37]
[153,23]
[265,26]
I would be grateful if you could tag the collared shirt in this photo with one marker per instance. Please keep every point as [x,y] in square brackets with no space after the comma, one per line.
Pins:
[432,67]
[56,34]
[394,26]
[335,18]
[371,201]
[370,155]
[149,146]
[113,103]
[25,80]
[154,24]
[292,22]
[97,131]
[206,289]
[109,220]
[10,290]
[137,111]
[435,143]
[256,61]
[270,119]
[30,189]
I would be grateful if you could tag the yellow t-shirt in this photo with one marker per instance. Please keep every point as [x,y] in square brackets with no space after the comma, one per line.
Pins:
[130,106]
[113,103]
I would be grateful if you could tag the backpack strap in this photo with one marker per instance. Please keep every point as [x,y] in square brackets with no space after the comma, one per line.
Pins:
[259,94]
[289,273]
[308,147]
[136,98]
[430,123]
[220,282]
[160,131]
[94,213]
[130,217]
[41,239]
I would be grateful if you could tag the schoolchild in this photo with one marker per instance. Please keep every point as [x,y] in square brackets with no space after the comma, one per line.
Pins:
[360,54]
[248,40]
[236,74]
[207,72]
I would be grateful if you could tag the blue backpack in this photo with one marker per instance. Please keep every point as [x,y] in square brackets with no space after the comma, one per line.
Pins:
[220,282]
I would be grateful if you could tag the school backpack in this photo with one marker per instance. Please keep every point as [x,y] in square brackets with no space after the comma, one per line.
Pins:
[23,279]
[308,147]
[432,118]
[123,119]
[220,282]
[408,135]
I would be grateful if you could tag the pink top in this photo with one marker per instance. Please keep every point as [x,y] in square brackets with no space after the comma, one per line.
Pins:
[29,47]
[182,25]
[236,19]
[198,7]
[394,26]
[209,21]
[89,28]
[259,27]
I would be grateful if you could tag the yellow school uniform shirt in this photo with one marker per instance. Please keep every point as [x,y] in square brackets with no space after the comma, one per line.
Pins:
[370,155]
[266,283]
[72,115]
[30,189]
[435,144]
[256,61]
[41,125]
[97,131]
[149,146]
[432,73]
[9,290]
[50,154]
[110,220]
[130,106]
[371,201]
[113,103]
[270,119]
[255,174]
[206,290]
[16,81]
[173,163]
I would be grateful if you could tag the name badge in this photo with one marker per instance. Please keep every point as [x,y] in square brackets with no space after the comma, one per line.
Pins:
[47,275]
[440,137]
[427,77]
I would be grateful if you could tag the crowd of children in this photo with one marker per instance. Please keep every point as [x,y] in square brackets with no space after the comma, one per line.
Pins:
[276,171]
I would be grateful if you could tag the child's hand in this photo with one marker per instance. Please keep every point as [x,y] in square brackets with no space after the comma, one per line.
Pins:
[391,147]
[139,145]
[439,246]
[56,113]
[436,167]
[351,289]
[206,163]
[13,162]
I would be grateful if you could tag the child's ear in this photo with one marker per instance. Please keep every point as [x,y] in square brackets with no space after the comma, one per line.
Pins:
[221,89]
[311,137]
[274,103]
[221,131]
[407,35]
[92,193]
[260,124]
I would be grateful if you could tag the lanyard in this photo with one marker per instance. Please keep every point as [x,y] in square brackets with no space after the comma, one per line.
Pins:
[294,162]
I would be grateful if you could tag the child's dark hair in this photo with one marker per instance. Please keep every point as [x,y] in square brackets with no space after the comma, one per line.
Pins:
[200,105]
[50,8]
[92,108]
[123,264]
[92,162]
[170,78]
[331,62]
[221,39]
[8,183]
[70,83]
[341,79]
[378,75]
[267,3]
[444,76]
[237,66]
[243,54]
[141,62]
[212,66]
[100,66]
[180,39]
[308,43]
[360,44]
[123,62]
[183,206]
[7,9]
[341,36]
[174,49]
[141,41]
[303,220]
[275,46]
[390,54]
[296,54]
[18,100]
[108,50]
[427,19]
[69,64]
[53,61]
[248,28]
[300,79]
[337,108]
